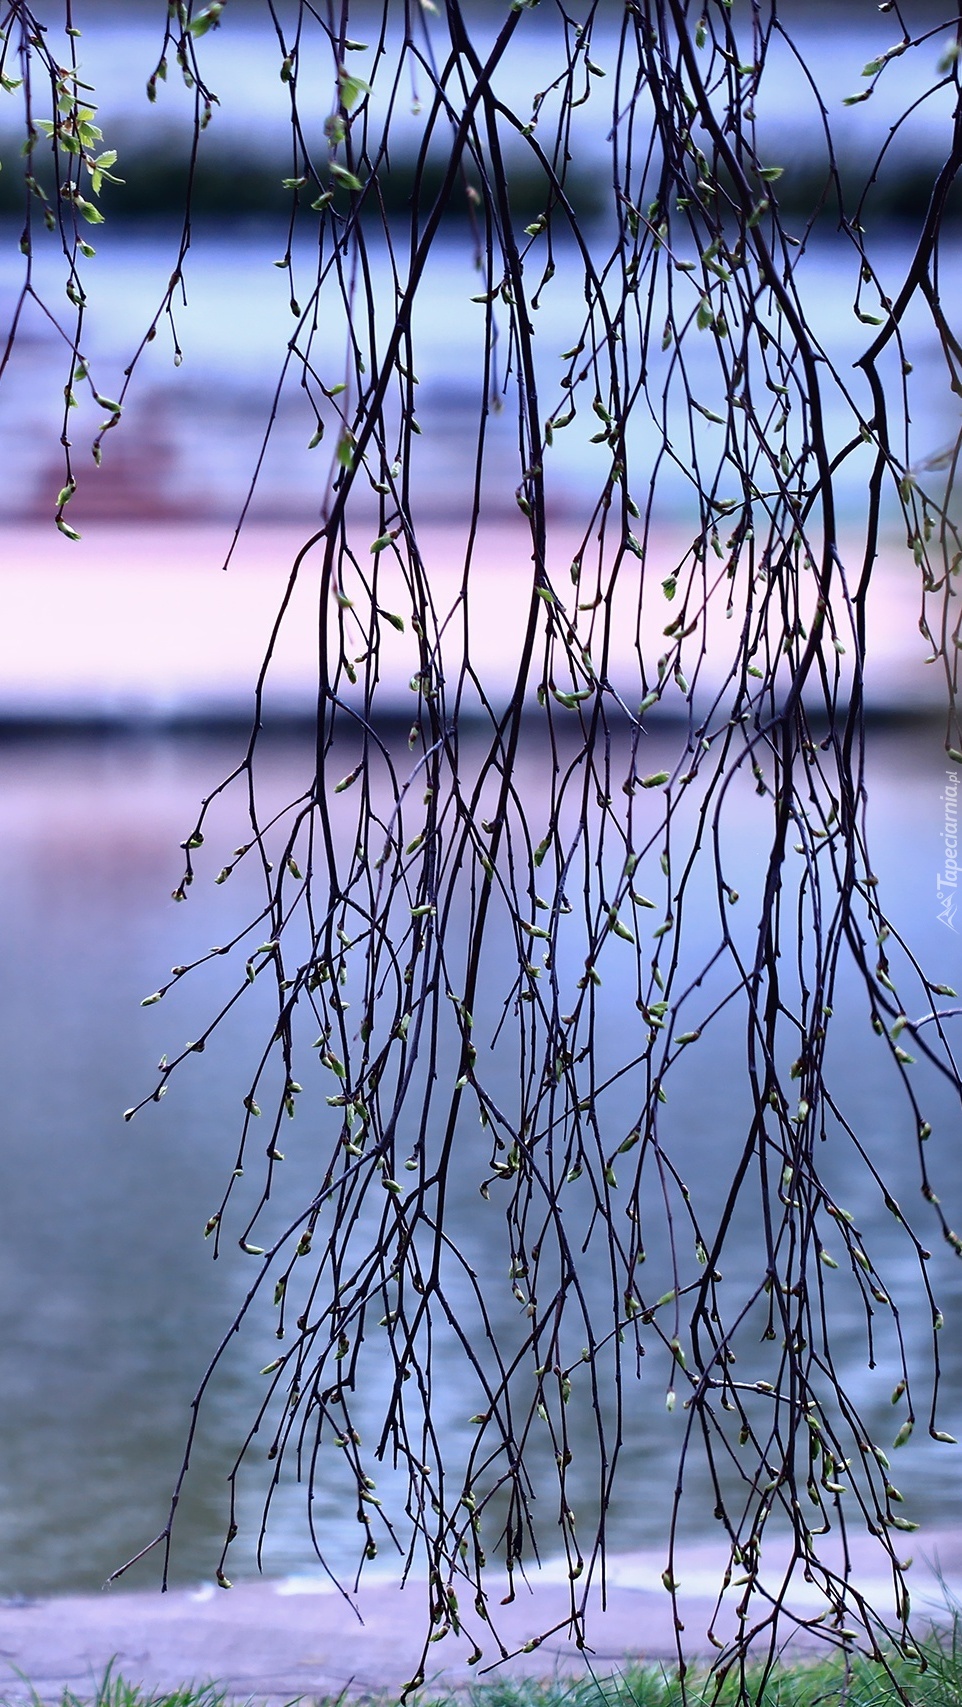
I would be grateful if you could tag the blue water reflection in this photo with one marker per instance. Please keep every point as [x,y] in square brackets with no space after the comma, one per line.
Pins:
[109,1306]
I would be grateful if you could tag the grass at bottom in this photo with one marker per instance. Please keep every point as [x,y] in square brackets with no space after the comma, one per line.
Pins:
[810,1682]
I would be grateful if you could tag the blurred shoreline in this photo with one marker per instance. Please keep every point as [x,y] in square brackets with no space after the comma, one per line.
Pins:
[296,1636]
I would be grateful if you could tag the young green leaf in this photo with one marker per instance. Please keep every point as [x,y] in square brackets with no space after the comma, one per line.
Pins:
[352,89]
[208,19]
[341,175]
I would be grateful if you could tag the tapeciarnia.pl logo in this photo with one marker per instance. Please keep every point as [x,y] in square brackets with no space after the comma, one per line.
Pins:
[947,882]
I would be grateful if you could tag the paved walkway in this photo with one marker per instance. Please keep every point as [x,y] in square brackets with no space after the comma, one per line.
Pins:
[298,1637]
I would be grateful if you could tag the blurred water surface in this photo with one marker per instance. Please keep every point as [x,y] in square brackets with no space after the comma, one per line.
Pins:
[192,435]
[109,1304]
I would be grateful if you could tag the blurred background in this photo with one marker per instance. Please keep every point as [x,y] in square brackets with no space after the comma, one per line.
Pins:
[127,660]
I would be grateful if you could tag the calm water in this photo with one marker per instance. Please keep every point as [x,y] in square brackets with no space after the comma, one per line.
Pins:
[192,435]
[109,1304]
